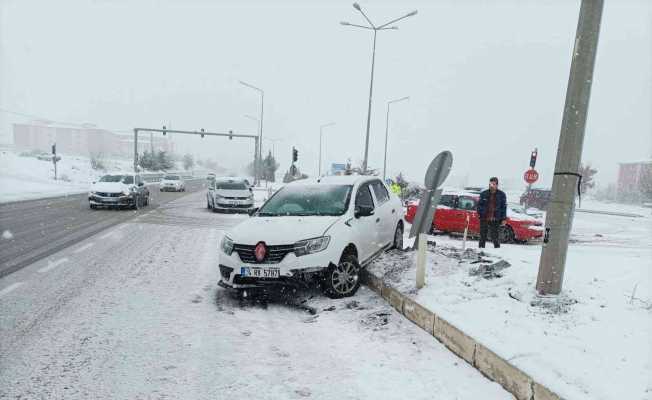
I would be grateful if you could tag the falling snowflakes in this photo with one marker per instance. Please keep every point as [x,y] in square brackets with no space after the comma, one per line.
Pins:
[7,235]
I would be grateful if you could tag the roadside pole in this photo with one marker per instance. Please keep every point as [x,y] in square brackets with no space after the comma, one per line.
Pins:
[54,159]
[466,231]
[569,152]
[421,260]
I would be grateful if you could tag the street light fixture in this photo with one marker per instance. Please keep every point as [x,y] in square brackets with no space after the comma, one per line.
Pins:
[375,28]
[321,132]
[387,132]
[260,125]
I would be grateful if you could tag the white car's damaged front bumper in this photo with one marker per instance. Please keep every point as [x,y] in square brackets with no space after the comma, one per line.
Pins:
[237,273]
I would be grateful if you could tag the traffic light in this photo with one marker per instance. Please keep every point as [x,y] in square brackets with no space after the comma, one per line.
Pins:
[295,155]
[533,158]
[164,130]
[202,132]
[230,135]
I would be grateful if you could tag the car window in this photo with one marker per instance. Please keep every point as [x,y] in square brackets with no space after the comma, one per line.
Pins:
[112,178]
[380,191]
[128,180]
[447,200]
[231,186]
[466,203]
[363,197]
[305,200]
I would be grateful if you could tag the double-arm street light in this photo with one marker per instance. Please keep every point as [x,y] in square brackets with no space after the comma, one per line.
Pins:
[375,29]
[387,132]
[260,124]
[321,132]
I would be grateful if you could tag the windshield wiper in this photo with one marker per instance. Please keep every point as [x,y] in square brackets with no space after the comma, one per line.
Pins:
[267,214]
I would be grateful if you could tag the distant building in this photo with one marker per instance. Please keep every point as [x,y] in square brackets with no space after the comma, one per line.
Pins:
[82,140]
[635,181]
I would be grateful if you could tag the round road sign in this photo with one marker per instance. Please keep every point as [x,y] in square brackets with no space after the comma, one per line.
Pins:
[438,170]
[531,176]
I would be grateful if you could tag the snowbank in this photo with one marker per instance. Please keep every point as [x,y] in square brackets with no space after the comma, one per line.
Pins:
[592,342]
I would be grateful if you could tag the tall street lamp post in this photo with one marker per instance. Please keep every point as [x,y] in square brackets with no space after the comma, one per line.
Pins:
[260,125]
[321,133]
[387,132]
[375,29]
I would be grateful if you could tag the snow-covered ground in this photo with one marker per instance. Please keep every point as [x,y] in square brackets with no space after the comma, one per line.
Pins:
[135,313]
[24,178]
[592,342]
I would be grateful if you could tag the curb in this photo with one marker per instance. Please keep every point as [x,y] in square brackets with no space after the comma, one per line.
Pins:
[499,370]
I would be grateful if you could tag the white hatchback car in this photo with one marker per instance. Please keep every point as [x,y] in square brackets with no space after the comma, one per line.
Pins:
[172,183]
[323,231]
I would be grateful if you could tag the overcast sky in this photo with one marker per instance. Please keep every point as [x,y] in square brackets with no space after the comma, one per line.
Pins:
[486,79]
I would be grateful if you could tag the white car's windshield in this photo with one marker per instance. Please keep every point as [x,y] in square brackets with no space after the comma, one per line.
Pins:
[303,200]
[231,186]
[118,178]
[172,177]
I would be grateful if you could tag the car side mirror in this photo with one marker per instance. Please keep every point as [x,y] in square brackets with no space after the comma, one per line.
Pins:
[141,184]
[363,211]
[252,211]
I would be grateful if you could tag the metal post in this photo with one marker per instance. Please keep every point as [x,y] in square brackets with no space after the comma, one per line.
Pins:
[135,150]
[387,133]
[321,132]
[386,136]
[422,241]
[371,89]
[151,142]
[260,142]
[571,140]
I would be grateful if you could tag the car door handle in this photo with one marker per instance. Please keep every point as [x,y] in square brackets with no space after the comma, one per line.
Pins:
[393,210]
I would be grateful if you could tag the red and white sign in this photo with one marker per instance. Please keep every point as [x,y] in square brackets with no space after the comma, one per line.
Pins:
[531,176]
[260,251]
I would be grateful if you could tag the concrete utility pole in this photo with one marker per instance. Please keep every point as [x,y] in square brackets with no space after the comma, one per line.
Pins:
[569,153]
[387,133]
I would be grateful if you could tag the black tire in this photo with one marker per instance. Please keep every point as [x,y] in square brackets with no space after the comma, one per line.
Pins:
[208,205]
[146,202]
[343,279]
[93,207]
[398,237]
[506,234]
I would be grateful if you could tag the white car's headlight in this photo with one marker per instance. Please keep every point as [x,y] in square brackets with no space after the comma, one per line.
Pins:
[310,246]
[227,245]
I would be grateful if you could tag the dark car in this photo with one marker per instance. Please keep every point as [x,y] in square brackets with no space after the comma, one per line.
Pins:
[538,198]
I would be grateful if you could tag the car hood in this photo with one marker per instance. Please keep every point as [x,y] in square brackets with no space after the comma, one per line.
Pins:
[280,230]
[109,187]
[233,193]
[164,181]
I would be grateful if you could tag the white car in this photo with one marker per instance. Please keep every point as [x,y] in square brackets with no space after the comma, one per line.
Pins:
[323,231]
[229,195]
[172,183]
[119,190]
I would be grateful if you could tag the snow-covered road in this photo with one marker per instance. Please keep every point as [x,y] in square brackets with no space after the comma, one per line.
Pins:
[134,312]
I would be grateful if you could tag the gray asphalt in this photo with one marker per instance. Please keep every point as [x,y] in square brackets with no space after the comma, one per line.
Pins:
[42,227]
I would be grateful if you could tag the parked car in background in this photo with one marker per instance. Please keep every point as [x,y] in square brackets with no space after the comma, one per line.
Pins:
[455,207]
[172,183]
[210,177]
[320,231]
[538,198]
[229,195]
[119,190]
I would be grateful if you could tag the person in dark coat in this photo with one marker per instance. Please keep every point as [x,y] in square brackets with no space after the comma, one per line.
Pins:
[492,208]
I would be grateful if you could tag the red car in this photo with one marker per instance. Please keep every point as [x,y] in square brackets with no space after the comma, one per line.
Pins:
[453,209]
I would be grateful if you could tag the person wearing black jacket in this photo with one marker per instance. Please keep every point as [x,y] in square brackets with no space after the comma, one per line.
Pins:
[492,209]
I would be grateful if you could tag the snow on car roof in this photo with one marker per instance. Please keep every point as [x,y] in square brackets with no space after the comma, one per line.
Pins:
[345,179]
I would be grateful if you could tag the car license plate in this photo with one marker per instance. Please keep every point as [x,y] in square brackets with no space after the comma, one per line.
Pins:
[254,272]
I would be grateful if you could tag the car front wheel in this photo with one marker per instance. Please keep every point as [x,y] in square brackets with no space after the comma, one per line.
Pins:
[398,237]
[506,234]
[343,279]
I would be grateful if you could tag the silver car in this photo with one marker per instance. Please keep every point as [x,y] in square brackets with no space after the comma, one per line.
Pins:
[229,195]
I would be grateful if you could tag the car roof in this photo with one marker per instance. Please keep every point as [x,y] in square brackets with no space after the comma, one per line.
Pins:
[336,180]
